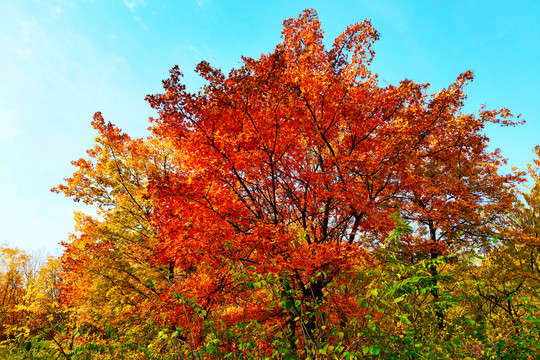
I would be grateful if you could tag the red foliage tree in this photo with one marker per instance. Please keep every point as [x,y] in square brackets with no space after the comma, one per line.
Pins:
[293,164]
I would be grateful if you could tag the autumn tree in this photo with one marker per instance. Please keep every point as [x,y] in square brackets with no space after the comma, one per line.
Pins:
[110,271]
[29,295]
[290,204]
[293,164]
[15,273]
[509,278]
[459,196]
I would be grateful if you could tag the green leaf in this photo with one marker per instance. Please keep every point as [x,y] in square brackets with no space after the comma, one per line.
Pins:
[287,304]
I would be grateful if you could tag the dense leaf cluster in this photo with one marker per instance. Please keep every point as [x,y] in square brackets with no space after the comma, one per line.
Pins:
[294,208]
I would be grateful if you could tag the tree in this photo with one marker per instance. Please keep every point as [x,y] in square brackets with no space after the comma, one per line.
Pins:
[15,272]
[28,293]
[287,209]
[514,265]
[111,276]
[292,166]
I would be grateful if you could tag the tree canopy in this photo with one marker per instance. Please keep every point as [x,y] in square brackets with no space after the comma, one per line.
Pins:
[298,208]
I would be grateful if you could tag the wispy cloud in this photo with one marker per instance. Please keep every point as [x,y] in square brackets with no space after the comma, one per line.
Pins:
[141,22]
[26,31]
[56,11]
[19,41]
[193,48]
[201,3]
[131,5]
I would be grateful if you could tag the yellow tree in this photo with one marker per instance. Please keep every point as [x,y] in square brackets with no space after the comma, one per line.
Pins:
[111,276]
[503,287]
[14,276]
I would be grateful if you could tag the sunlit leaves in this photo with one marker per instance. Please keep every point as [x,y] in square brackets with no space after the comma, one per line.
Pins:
[294,207]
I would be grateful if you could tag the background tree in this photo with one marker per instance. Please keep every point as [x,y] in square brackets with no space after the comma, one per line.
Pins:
[15,273]
[112,277]
[508,278]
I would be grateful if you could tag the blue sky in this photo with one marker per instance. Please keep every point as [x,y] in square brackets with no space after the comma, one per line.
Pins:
[62,60]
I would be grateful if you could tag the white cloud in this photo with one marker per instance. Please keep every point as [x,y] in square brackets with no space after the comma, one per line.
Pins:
[56,11]
[202,3]
[24,37]
[141,22]
[192,48]
[131,5]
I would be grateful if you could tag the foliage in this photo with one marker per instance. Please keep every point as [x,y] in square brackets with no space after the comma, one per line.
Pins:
[294,208]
